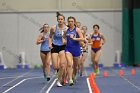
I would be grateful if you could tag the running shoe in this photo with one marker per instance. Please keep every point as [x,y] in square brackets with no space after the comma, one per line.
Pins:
[98,71]
[71,82]
[59,84]
[48,78]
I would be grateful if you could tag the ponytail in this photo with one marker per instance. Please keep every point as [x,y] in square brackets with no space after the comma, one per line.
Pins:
[59,14]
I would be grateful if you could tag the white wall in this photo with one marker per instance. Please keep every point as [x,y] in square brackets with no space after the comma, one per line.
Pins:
[49,5]
[19,31]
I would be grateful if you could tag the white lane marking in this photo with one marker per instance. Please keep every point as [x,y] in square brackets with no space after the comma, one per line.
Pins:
[41,91]
[15,79]
[86,72]
[20,83]
[14,86]
[90,90]
[138,88]
[35,77]
[129,82]
[53,76]
[6,78]
[51,86]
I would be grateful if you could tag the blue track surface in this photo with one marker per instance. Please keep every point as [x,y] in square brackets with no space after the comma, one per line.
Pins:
[32,81]
[119,84]
[79,87]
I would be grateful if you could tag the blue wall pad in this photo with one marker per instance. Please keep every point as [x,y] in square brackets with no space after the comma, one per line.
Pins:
[100,65]
[19,66]
[26,66]
[116,65]
[1,67]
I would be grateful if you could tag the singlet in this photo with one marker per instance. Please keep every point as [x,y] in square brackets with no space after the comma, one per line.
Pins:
[57,37]
[45,44]
[70,42]
[96,40]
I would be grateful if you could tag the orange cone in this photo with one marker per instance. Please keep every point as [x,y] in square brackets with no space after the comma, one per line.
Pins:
[121,72]
[95,88]
[91,83]
[105,73]
[91,75]
[133,71]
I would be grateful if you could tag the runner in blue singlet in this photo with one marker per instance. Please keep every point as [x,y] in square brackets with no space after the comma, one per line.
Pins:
[45,50]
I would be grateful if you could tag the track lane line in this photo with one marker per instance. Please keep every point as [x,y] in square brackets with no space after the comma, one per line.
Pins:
[132,84]
[20,83]
[14,86]
[89,87]
[51,86]
[138,88]
[20,76]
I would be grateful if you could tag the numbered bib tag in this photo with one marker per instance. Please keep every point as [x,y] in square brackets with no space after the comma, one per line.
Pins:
[47,36]
[97,38]
[62,32]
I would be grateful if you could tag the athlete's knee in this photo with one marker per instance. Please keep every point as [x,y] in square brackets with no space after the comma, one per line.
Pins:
[77,67]
[69,65]
[55,67]
[95,61]
[62,66]
[47,64]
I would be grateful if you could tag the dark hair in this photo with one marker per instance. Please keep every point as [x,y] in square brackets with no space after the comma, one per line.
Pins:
[71,17]
[96,25]
[85,27]
[59,14]
[42,28]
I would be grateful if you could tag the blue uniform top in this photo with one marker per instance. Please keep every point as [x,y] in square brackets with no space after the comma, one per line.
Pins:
[45,44]
[57,37]
[98,37]
[72,43]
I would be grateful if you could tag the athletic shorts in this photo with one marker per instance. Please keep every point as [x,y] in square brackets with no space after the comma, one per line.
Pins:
[45,52]
[96,49]
[57,49]
[74,51]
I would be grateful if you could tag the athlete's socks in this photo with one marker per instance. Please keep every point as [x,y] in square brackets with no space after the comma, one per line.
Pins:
[97,71]
[71,82]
